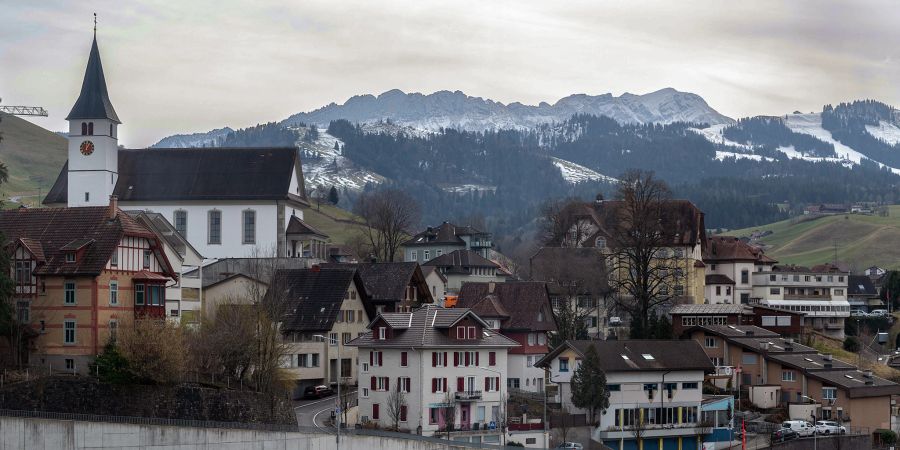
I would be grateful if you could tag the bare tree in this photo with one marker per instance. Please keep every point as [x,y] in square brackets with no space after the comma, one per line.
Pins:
[396,403]
[639,428]
[565,223]
[155,349]
[448,412]
[388,216]
[704,427]
[564,422]
[640,228]
[223,348]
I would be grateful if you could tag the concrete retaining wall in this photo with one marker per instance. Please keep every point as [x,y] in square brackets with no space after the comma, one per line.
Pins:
[18,433]
[827,443]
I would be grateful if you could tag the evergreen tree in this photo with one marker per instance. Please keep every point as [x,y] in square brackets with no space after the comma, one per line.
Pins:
[333,196]
[589,385]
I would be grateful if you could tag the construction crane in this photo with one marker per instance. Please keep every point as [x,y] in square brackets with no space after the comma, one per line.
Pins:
[24,110]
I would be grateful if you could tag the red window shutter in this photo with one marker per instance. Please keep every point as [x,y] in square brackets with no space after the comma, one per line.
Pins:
[433,385]
[374,385]
[403,413]
[456,358]
[433,359]
[407,383]
[467,359]
[476,358]
[492,358]
[446,386]
[446,361]
[380,361]
[402,358]
[460,384]
[487,383]
[497,382]
[375,411]
[371,358]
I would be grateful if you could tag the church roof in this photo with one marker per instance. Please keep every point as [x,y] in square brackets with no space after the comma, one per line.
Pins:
[93,102]
[219,173]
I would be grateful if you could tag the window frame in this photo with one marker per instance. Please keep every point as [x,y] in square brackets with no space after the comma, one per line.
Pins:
[245,226]
[175,220]
[140,292]
[73,329]
[217,213]
[113,293]
[73,292]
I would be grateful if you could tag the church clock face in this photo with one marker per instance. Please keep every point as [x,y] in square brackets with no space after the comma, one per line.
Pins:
[87,147]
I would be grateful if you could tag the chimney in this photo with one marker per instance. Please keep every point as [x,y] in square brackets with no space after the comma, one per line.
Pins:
[491,287]
[867,374]
[113,207]
[870,382]
[826,356]
[764,346]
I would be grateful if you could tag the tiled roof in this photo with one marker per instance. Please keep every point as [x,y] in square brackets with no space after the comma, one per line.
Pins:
[640,355]
[461,259]
[50,232]
[259,269]
[811,361]
[175,174]
[298,226]
[739,330]
[387,281]
[523,302]
[730,248]
[854,381]
[860,285]
[682,217]
[428,327]
[707,309]
[444,234]
[313,296]
[162,227]
[717,278]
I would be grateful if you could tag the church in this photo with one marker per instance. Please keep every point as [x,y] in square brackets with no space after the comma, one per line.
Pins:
[227,202]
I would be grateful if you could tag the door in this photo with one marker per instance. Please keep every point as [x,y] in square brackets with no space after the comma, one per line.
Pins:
[464,419]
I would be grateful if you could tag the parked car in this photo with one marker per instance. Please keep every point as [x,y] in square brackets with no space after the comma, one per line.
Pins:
[802,427]
[878,313]
[829,427]
[615,321]
[571,445]
[784,434]
[317,391]
[858,313]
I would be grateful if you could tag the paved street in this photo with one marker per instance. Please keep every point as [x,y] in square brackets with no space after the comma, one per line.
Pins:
[315,413]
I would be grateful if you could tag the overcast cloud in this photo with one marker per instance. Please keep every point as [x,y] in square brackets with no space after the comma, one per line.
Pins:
[189,66]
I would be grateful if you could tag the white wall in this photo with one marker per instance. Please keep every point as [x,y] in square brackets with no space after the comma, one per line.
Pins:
[517,367]
[96,173]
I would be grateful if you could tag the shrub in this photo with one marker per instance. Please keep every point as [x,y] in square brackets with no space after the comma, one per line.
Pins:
[155,350]
[887,437]
[514,444]
[111,367]
[851,344]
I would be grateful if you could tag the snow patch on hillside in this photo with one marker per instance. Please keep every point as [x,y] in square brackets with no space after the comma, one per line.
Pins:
[331,168]
[576,173]
[467,188]
[722,155]
[714,134]
[792,153]
[885,131]
[811,124]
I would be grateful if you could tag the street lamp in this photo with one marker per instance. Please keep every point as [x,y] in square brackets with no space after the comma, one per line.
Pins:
[815,430]
[546,424]
[340,403]
[502,406]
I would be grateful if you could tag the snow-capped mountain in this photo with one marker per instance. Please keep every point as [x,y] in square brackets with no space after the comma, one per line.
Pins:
[445,109]
[324,165]
[208,139]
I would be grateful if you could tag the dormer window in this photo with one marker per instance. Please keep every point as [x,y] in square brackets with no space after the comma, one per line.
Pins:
[460,332]
[70,257]
[382,333]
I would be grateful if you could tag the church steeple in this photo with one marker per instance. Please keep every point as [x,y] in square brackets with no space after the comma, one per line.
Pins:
[93,102]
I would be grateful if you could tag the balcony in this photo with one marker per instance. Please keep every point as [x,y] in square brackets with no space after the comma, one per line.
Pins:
[826,297]
[467,396]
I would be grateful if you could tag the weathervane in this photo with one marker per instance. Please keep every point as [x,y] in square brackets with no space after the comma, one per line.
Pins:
[95,24]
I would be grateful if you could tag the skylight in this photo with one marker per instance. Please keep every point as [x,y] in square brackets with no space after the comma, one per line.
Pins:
[648,356]
[849,376]
[625,357]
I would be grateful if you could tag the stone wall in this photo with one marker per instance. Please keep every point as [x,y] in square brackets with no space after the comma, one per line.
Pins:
[827,443]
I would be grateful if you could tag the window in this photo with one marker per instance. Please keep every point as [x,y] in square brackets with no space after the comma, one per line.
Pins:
[110,130]
[512,383]
[315,360]
[70,292]
[710,342]
[381,384]
[113,330]
[90,128]
[689,385]
[788,375]
[600,242]
[426,254]
[838,292]
[404,359]
[829,393]
[23,273]
[249,222]
[531,339]
[332,339]
[146,259]
[139,294]
[774,291]
[772,277]
[745,298]
[114,259]
[346,337]
[438,359]
[113,292]
[433,415]
[181,222]
[23,310]
[491,384]
[679,290]
[214,236]
[375,411]
[70,257]
[414,255]
[438,252]
[841,279]
[83,128]
[403,409]
[43,326]
[614,387]
[563,364]
[748,358]
[438,385]
[69,331]
[470,331]
[375,358]
[365,392]
[718,290]
[382,333]
[404,384]
[745,276]
[70,364]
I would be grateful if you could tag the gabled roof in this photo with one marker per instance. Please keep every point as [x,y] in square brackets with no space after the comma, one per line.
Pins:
[50,233]
[681,217]
[258,269]
[161,226]
[717,278]
[184,174]
[729,248]
[861,285]
[298,226]
[428,327]
[444,234]
[521,301]
[93,101]
[314,296]
[428,270]
[855,383]
[707,309]
[461,259]
[387,281]
[639,355]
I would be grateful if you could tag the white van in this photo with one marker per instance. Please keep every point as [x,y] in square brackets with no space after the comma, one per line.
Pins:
[802,427]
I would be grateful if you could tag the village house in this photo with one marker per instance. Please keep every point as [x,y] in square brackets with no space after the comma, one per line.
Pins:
[655,387]
[437,283]
[326,308]
[520,311]
[785,323]
[444,239]
[392,286]
[730,262]
[227,202]
[778,372]
[463,266]
[449,365]
[79,274]
[862,294]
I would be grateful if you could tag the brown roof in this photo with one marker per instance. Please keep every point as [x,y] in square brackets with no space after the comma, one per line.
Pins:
[640,355]
[444,234]
[298,226]
[681,217]
[427,327]
[50,233]
[571,266]
[737,330]
[428,270]
[717,278]
[461,259]
[730,248]
[522,301]
[811,362]
[855,383]
[315,296]
[706,309]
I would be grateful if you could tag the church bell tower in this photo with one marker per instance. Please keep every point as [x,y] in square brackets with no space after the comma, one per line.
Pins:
[93,167]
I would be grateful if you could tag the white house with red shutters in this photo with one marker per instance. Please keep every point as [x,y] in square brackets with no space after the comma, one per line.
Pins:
[449,365]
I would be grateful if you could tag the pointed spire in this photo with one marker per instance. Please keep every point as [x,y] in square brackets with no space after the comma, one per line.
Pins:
[93,102]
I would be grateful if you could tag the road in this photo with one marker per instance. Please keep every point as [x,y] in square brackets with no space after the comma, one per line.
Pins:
[315,413]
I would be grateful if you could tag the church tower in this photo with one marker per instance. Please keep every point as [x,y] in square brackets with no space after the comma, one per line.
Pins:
[93,166]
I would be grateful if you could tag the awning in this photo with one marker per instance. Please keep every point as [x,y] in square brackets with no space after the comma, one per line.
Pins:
[149,276]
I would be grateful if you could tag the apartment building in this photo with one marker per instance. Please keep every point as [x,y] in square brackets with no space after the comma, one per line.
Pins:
[450,366]
[819,293]
[326,309]
[656,390]
[778,372]
[393,286]
[446,238]
[464,266]
[79,274]
[520,311]
[730,262]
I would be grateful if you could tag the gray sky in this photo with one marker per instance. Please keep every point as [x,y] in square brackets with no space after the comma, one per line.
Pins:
[189,66]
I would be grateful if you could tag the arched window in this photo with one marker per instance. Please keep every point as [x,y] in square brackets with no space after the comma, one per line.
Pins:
[90,129]
[83,129]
